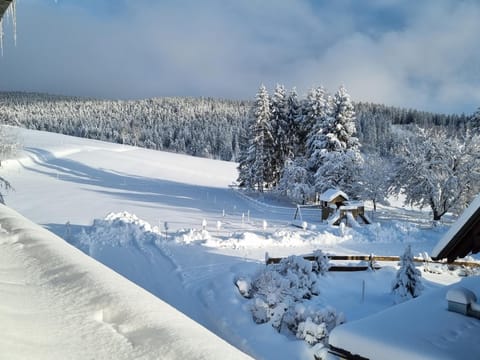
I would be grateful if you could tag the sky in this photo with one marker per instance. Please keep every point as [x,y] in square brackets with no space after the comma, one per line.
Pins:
[409,53]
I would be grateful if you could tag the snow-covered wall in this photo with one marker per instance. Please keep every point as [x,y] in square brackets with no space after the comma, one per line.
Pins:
[58,303]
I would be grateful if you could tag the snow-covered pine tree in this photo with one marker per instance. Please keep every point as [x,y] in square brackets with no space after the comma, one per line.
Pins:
[317,119]
[261,143]
[245,161]
[407,283]
[280,131]
[337,152]
[293,124]
[475,122]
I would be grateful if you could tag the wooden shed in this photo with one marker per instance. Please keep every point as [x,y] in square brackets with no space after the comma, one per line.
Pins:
[337,208]
[331,200]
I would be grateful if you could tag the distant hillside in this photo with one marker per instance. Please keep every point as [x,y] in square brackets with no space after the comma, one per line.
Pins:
[205,127]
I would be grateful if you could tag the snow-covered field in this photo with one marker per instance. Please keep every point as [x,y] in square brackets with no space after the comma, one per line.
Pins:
[171,224]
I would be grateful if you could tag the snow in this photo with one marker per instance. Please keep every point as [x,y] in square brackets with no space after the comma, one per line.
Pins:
[58,303]
[421,328]
[112,202]
[461,295]
[455,228]
[331,194]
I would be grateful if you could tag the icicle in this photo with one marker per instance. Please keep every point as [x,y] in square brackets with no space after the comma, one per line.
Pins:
[1,37]
[11,14]
[13,6]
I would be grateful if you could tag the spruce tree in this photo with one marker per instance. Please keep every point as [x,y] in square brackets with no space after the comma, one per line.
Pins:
[316,121]
[407,283]
[293,121]
[337,152]
[280,132]
[261,145]
[475,122]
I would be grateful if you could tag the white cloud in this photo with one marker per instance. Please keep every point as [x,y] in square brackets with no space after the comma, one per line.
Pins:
[227,48]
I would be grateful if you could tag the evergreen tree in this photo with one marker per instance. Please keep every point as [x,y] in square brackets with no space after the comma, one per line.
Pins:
[280,131]
[260,150]
[475,122]
[407,283]
[317,120]
[337,152]
[292,146]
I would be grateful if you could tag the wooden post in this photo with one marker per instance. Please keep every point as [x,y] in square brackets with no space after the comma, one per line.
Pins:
[363,291]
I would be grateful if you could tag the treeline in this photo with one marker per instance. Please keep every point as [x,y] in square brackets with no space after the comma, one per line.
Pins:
[204,127]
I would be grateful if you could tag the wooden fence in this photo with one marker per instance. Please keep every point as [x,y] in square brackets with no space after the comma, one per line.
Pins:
[373,261]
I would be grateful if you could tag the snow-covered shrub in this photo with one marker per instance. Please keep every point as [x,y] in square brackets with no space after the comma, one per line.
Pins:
[408,283]
[311,332]
[322,262]
[284,295]
[244,285]
[302,312]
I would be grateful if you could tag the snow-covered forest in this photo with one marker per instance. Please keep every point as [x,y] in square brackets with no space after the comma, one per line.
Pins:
[205,127]
[301,148]
[202,127]
[295,146]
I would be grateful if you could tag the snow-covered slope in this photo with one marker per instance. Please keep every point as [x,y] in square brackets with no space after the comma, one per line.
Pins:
[58,303]
[113,202]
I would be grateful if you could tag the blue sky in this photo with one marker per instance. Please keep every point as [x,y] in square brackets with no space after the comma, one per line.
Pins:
[418,54]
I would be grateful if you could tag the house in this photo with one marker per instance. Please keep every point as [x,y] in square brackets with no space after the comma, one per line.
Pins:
[463,236]
[443,324]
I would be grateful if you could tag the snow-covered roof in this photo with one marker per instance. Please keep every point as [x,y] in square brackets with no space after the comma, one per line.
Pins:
[58,303]
[463,236]
[461,295]
[331,194]
[4,4]
[421,328]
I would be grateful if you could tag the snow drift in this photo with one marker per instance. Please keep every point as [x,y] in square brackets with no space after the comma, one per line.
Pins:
[58,303]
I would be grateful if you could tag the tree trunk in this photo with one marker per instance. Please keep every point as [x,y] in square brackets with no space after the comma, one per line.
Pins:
[437,215]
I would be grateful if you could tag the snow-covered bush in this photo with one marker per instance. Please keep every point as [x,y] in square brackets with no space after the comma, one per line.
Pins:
[285,295]
[244,285]
[408,283]
[322,262]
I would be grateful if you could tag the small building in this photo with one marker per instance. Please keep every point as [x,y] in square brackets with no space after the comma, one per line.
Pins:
[337,208]
[331,200]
